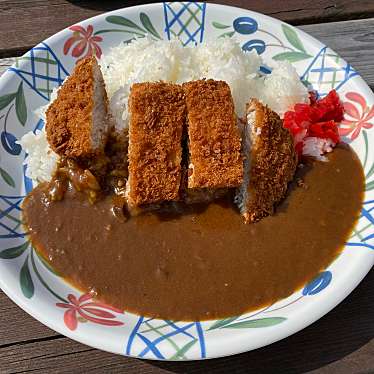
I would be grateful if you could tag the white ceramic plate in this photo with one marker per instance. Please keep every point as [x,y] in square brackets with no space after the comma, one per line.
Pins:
[27,280]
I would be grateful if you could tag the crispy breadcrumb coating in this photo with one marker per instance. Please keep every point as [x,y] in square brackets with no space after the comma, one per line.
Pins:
[158,114]
[77,125]
[215,159]
[271,159]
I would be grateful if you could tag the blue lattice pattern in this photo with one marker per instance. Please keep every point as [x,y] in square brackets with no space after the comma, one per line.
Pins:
[10,222]
[156,339]
[43,72]
[363,234]
[185,20]
[328,71]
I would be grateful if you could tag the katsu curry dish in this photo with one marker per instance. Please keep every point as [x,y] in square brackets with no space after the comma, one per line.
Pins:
[193,187]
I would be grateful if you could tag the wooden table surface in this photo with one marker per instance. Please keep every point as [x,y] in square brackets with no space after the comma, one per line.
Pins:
[340,342]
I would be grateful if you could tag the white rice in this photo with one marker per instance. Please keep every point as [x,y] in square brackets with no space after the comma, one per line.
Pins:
[282,89]
[317,147]
[41,161]
[145,60]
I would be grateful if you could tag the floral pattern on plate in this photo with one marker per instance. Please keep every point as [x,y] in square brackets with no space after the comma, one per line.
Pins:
[28,279]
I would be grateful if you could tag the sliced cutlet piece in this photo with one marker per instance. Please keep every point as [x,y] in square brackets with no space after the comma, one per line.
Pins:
[214,141]
[77,121]
[270,162]
[157,117]
[198,195]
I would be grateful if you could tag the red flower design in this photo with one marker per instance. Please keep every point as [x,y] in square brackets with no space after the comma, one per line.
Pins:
[356,117]
[84,42]
[89,311]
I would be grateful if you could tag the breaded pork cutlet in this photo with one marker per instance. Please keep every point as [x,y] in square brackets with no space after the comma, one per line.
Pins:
[157,117]
[270,162]
[214,141]
[77,123]
[198,195]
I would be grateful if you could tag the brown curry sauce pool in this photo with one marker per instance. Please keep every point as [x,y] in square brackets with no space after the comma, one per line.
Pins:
[204,263]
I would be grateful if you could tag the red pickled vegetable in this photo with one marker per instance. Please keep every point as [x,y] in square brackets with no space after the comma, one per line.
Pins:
[318,119]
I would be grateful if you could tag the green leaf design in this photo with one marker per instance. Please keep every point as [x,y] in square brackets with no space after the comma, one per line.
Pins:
[7,178]
[46,264]
[227,34]
[42,281]
[38,59]
[369,186]
[366,148]
[218,25]
[370,172]
[222,322]
[182,351]
[27,285]
[293,38]
[291,56]
[14,219]
[5,100]
[256,323]
[21,109]
[123,31]
[146,22]
[10,253]
[122,21]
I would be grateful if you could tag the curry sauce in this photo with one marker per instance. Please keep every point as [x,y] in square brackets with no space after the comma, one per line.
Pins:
[200,262]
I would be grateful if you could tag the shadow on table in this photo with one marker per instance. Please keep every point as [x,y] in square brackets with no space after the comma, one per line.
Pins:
[344,330]
[108,4]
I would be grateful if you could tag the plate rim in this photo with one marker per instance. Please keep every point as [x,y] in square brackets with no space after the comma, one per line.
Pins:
[239,339]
